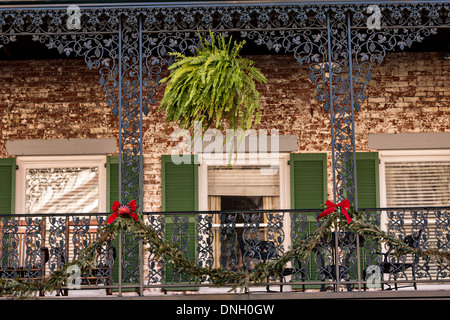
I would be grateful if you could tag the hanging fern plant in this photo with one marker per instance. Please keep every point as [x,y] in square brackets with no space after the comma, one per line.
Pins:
[215,86]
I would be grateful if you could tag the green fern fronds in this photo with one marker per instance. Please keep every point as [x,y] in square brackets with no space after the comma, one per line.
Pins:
[216,86]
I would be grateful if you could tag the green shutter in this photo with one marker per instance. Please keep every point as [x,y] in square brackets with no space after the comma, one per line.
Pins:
[112,181]
[367,179]
[367,176]
[308,180]
[367,191]
[7,185]
[179,193]
[308,191]
[112,185]
[179,185]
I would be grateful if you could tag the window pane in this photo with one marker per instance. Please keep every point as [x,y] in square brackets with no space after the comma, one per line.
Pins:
[241,203]
[62,190]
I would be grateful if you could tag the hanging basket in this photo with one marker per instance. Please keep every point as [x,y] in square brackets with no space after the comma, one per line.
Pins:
[215,86]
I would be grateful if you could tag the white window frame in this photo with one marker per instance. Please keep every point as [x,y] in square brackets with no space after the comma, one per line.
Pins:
[42,162]
[251,159]
[280,159]
[406,156]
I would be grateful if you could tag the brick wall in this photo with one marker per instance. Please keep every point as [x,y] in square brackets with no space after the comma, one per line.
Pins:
[409,93]
[50,99]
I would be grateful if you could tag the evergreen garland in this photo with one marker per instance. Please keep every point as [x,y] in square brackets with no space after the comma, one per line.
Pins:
[169,252]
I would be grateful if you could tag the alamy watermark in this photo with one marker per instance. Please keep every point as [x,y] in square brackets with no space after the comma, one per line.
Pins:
[74,279]
[249,147]
[74,17]
[373,276]
[374,21]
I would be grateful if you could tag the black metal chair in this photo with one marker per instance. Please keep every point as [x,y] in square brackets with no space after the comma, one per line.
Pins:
[393,266]
[261,250]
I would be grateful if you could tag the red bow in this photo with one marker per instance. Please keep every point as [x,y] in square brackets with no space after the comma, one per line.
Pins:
[331,207]
[123,210]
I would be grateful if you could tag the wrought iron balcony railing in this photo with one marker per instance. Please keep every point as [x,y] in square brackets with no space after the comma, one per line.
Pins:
[34,246]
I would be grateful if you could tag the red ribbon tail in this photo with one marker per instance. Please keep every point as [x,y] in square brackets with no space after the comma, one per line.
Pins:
[347,216]
[134,216]
[326,212]
[344,206]
[112,217]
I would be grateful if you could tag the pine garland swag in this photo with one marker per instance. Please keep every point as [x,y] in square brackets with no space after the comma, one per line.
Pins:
[239,280]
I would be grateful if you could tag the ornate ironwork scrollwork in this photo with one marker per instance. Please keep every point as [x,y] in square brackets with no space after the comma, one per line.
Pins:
[204,240]
[229,257]
[34,243]
[81,236]
[442,231]
[155,267]
[179,230]
[10,247]
[58,241]
[105,255]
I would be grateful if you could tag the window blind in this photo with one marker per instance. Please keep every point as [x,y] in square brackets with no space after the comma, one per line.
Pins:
[418,184]
[410,184]
[243,180]
[62,190]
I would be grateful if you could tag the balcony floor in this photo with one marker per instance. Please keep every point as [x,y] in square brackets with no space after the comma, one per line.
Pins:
[424,292]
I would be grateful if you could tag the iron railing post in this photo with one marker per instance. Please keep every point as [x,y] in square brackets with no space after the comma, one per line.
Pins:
[141,117]
[330,83]
[141,266]
[120,150]
[354,187]
[120,263]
